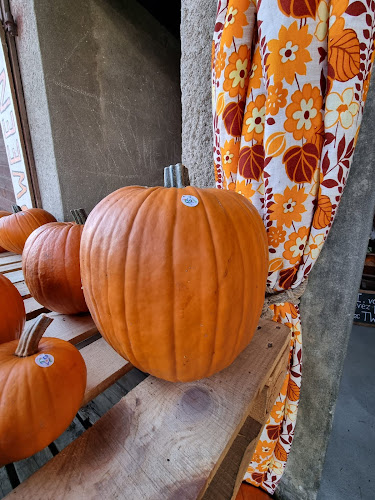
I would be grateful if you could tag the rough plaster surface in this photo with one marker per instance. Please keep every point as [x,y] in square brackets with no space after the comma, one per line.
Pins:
[33,81]
[197,27]
[327,307]
[111,77]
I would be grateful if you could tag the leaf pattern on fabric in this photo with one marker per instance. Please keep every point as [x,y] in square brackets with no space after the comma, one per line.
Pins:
[288,99]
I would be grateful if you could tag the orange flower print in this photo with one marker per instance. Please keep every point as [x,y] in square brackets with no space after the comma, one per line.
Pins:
[288,54]
[291,410]
[264,449]
[295,245]
[276,466]
[229,157]
[264,465]
[336,22]
[276,236]
[341,107]
[256,71]
[235,20]
[304,113]
[245,188]
[288,207]
[277,412]
[322,26]
[314,245]
[220,62]
[276,98]
[253,127]
[237,72]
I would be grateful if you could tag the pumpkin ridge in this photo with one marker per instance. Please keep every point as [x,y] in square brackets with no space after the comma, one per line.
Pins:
[215,339]
[137,353]
[234,229]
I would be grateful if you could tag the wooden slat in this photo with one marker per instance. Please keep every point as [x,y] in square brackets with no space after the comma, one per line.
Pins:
[9,258]
[73,328]
[163,440]
[14,266]
[15,276]
[22,288]
[33,308]
[104,367]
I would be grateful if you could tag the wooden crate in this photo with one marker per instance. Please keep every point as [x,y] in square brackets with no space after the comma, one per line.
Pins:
[161,440]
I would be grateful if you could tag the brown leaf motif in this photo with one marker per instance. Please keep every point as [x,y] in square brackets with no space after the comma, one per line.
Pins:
[280,453]
[273,431]
[251,162]
[257,477]
[233,118]
[293,391]
[301,162]
[344,57]
[299,8]
[323,211]
[287,276]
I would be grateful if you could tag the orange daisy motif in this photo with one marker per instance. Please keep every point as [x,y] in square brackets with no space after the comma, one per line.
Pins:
[220,62]
[289,206]
[336,22]
[288,54]
[295,245]
[229,157]
[237,72]
[276,236]
[276,98]
[245,188]
[235,20]
[277,412]
[304,116]
[256,71]
[253,122]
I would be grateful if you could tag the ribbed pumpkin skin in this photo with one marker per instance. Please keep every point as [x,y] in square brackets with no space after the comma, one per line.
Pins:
[37,403]
[12,311]
[177,290]
[3,213]
[50,263]
[15,229]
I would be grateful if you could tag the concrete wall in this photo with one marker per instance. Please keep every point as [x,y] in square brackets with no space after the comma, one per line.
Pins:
[101,83]
[327,308]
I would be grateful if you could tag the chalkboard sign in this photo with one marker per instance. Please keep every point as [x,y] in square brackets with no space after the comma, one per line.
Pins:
[365,309]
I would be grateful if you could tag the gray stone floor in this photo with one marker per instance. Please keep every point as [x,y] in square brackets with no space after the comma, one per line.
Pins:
[349,467]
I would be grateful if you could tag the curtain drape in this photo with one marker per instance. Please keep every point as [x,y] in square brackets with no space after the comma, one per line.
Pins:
[289,83]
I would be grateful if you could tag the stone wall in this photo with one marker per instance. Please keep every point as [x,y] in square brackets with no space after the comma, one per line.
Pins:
[101,84]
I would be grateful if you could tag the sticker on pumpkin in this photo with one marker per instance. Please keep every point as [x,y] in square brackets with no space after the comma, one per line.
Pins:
[44,360]
[323,212]
[189,200]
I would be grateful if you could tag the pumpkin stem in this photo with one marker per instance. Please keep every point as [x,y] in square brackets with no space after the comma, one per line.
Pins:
[79,215]
[16,209]
[176,176]
[29,341]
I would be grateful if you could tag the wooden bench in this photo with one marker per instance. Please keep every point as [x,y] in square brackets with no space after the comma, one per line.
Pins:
[161,440]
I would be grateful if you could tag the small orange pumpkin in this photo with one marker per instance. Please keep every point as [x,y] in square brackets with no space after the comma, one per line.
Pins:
[51,267]
[12,311]
[42,384]
[17,227]
[175,278]
[3,213]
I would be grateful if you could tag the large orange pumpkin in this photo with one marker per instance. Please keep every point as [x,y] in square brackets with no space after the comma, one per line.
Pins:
[12,311]
[3,213]
[17,227]
[175,278]
[51,268]
[42,383]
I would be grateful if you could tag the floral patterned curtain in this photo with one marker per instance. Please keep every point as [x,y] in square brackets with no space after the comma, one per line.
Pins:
[289,83]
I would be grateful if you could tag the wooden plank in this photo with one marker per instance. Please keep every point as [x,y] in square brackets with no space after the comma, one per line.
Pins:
[163,440]
[15,276]
[9,258]
[22,288]
[14,266]
[73,328]
[104,367]
[33,308]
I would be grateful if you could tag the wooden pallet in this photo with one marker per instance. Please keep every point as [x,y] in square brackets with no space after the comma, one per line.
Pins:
[162,440]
